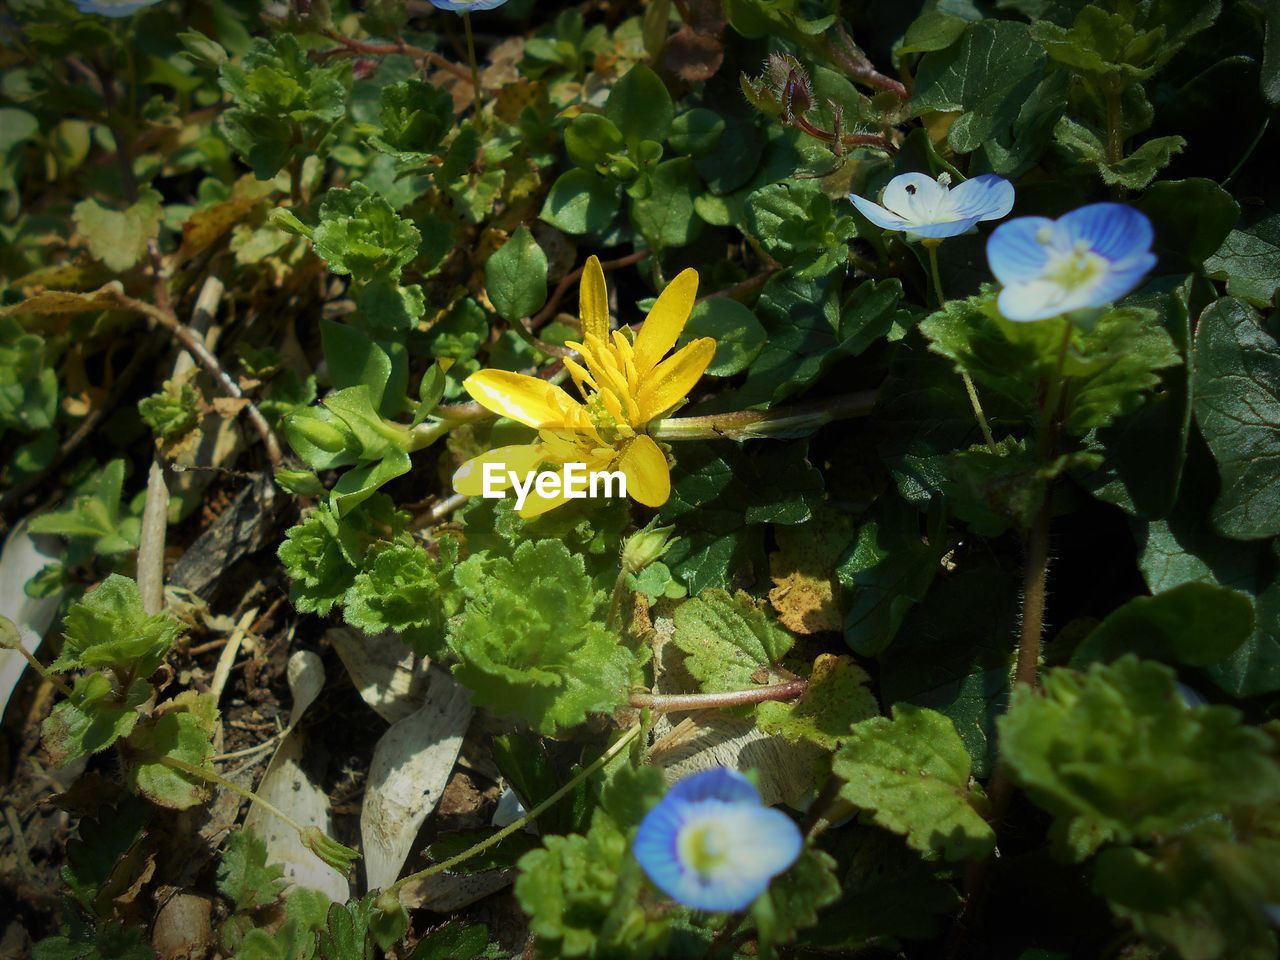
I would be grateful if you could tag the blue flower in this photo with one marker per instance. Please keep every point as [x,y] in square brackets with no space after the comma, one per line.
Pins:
[113,8]
[1089,258]
[713,845]
[465,6]
[923,207]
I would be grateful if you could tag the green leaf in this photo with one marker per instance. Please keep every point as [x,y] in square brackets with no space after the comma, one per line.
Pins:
[1135,171]
[96,517]
[793,899]
[912,773]
[719,497]
[835,700]
[1247,262]
[697,132]
[730,642]
[453,941]
[108,629]
[516,277]
[1102,43]
[591,140]
[964,629]
[245,877]
[738,334]
[183,732]
[986,77]
[354,359]
[415,117]
[640,107]
[1197,624]
[665,216]
[1116,756]
[360,234]
[28,386]
[887,569]
[173,412]
[529,642]
[932,30]
[1237,406]
[119,237]
[797,224]
[1191,218]
[402,588]
[1109,367]
[581,202]
[284,105]
[583,892]
[387,305]
[323,553]
[98,860]
[95,716]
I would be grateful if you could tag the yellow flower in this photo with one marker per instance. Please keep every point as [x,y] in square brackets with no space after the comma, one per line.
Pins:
[625,383]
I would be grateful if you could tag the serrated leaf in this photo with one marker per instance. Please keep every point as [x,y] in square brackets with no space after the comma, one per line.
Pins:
[835,700]
[402,588]
[415,117]
[730,642]
[97,517]
[119,237]
[798,225]
[245,877]
[912,773]
[529,640]
[109,629]
[795,897]
[1237,405]
[94,717]
[1116,756]
[183,732]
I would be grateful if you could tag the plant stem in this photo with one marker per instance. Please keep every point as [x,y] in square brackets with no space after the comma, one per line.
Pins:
[14,642]
[786,422]
[1115,119]
[587,771]
[471,56]
[211,777]
[932,247]
[670,703]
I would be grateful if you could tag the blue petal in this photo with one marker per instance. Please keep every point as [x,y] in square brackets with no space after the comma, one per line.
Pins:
[124,8]
[718,783]
[655,846]
[987,197]
[460,6]
[1031,300]
[877,214]
[937,231]
[1014,253]
[1115,230]
[1122,280]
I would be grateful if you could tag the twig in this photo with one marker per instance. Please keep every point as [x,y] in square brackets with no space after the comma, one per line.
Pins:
[572,277]
[672,702]
[349,45]
[743,287]
[195,346]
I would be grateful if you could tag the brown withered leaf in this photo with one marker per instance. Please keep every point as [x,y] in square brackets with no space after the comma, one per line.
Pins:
[806,594]
[695,52]
[206,227]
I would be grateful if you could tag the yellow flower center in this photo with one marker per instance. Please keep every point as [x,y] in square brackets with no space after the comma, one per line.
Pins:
[704,847]
[1078,268]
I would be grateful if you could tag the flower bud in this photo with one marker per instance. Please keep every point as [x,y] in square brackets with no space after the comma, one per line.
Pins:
[646,546]
[328,849]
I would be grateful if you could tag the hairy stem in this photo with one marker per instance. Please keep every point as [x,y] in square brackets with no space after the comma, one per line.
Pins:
[797,421]
[208,775]
[588,771]
[471,58]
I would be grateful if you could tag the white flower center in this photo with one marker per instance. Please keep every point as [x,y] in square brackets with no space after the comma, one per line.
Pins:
[704,847]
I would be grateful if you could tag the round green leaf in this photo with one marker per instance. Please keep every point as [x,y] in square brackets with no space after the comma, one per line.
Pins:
[640,106]
[591,138]
[738,334]
[516,277]
[581,202]
[697,132]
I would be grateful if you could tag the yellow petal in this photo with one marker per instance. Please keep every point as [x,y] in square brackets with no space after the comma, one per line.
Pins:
[665,323]
[593,300]
[645,467]
[531,401]
[672,379]
[581,378]
[521,458]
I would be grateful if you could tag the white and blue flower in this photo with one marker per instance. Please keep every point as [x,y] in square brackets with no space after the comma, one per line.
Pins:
[921,206]
[466,6]
[712,844]
[113,8]
[1088,258]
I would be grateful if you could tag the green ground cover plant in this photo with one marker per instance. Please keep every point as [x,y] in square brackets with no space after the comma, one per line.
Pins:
[932,609]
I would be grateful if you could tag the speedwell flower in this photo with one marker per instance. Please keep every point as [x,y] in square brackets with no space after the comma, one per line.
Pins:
[113,8]
[625,384]
[713,845]
[466,6]
[920,206]
[1089,258]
